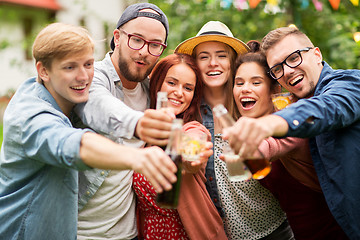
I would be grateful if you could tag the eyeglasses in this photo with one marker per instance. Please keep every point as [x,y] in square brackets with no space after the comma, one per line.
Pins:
[136,43]
[293,60]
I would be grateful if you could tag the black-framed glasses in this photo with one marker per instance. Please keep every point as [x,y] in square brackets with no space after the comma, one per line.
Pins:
[136,43]
[293,60]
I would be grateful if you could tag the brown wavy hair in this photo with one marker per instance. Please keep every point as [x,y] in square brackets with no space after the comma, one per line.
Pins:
[157,78]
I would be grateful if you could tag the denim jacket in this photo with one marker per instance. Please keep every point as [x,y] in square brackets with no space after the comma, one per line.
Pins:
[332,118]
[107,114]
[211,186]
[38,168]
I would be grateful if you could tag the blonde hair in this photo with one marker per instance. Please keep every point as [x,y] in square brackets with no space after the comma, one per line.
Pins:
[276,35]
[59,40]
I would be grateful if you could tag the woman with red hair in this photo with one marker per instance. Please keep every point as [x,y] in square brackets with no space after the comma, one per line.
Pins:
[195,217]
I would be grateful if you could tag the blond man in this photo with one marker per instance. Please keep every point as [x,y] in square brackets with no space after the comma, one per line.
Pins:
[42,152]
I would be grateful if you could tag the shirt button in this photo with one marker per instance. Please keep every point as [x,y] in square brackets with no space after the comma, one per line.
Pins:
[215,200]
[296,122]
[210,178]
[205,111]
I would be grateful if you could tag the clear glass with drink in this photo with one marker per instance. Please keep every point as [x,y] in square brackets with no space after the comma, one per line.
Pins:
[192,145]
[282,100]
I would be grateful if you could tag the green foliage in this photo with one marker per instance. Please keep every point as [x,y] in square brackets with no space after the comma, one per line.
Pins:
[332,31]
[4,44]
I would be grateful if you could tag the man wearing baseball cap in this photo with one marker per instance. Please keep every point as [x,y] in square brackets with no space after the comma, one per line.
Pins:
[117,101]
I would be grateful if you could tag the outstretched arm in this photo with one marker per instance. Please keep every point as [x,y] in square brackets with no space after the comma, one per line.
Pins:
[99,152]
[247,133]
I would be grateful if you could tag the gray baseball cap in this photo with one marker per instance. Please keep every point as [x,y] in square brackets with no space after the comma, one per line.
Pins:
[133,11]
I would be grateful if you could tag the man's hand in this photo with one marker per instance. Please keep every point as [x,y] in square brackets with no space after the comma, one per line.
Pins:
[156,166]
[247,133]
[154,127]
[99,152]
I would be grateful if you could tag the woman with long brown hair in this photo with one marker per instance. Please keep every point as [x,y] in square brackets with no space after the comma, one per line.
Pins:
[195,217]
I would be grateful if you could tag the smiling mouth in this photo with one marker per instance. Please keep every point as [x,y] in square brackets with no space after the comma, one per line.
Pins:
[82,87]
[296,80]
[247,103]
[176,102]
[215,73]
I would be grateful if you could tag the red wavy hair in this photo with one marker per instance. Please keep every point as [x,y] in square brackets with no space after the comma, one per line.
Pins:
[157,78]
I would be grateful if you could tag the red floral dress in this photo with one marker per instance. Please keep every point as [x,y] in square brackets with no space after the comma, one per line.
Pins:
[157,223]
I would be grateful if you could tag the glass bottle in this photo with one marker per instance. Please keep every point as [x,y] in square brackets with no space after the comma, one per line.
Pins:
[161,100]
[258,165]
[169,199]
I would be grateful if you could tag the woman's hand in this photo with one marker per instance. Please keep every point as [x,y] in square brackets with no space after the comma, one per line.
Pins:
[195,166]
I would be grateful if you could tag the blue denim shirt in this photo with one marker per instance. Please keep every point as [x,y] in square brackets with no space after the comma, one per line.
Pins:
[38,168]
[106,113]
[332,118]
[211,186]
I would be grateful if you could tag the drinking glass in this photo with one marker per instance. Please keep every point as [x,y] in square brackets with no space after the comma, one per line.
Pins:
[192,145]
[282,100]
[258,165]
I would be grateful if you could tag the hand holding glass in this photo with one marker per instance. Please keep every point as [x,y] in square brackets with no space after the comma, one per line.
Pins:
[192,146]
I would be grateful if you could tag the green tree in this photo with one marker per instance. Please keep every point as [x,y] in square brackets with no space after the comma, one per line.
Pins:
[332,31]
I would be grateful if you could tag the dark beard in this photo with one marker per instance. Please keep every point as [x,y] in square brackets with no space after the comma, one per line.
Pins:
[310,93]
[124,71]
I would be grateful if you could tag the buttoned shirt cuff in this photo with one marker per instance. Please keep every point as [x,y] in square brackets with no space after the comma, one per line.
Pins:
[297,120]
[71,150]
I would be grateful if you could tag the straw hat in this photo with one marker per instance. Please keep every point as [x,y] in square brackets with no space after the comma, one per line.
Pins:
[212,31]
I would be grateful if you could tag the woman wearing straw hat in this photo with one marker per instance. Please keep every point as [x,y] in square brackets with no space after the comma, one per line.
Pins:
[249,211]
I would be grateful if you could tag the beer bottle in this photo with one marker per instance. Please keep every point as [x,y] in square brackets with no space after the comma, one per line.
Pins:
[169,199]
[258,165]
[161,100]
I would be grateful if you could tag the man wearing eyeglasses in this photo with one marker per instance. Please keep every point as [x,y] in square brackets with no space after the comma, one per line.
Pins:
[117,101]
[327,112]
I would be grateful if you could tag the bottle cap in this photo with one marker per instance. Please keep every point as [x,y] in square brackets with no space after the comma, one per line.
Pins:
[219,110]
